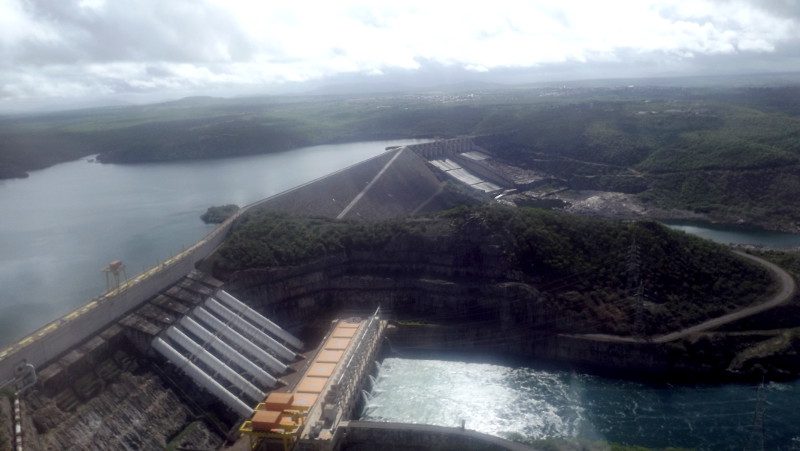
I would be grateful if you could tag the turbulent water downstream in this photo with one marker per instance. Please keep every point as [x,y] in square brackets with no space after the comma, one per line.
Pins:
[530,402]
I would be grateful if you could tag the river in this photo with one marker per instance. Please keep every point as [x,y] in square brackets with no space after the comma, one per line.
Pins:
[526,401]
[531,400]
[726,234]
[63,224]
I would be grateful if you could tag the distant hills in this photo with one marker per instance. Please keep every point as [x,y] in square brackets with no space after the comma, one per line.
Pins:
[730,151]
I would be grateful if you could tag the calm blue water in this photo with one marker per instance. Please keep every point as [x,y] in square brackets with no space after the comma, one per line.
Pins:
[526,403]
[61,225]
[732,234]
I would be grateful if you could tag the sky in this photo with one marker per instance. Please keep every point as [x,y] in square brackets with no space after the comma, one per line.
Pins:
[149,49]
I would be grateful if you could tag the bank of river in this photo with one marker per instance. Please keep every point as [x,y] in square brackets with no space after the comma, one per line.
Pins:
[63,224]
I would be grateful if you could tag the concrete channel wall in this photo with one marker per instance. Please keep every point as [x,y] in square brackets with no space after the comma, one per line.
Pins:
[59,336]
[366,435]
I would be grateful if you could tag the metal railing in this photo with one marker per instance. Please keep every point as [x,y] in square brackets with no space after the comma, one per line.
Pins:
[351,375]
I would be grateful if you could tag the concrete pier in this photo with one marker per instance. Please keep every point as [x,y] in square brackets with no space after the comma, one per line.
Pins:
[309,416]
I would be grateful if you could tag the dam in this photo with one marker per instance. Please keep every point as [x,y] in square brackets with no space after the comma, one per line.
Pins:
[173,330]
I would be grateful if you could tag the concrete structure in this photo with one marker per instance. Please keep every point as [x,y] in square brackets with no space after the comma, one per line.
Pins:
[377,188]
[461,159]
[170,309]
[365,435]
[445,148]
[308,417]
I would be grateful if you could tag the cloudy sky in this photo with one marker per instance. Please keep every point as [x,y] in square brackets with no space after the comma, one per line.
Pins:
[75,49]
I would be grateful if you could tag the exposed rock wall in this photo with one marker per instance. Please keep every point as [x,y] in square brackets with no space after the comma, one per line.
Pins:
[478,303]
[414,278]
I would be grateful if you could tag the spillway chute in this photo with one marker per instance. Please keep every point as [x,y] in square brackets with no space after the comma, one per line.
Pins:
[241,308]
[223,349]
[201,378]
[253,332]
[214,364]
[236,338]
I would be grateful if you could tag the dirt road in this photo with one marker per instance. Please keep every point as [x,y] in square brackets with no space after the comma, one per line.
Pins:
[787,290]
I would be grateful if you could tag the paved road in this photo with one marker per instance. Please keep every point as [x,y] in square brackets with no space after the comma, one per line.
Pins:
[786,292]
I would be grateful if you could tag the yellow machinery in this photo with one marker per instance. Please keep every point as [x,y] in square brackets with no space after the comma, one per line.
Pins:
[277,418]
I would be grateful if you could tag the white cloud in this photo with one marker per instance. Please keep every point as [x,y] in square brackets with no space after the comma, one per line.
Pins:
[156,44]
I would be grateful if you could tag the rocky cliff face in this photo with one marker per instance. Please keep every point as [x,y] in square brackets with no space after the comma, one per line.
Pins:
[462,294]
[447,282]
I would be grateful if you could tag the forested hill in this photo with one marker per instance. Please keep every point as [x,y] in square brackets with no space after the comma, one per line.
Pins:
[624,125]
[731,153]
[580,274]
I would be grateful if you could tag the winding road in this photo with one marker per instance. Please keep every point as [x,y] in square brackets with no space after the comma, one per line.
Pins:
[788,288]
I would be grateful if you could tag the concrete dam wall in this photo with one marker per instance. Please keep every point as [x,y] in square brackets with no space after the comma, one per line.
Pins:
[86,361]
[395,183]
[58,337]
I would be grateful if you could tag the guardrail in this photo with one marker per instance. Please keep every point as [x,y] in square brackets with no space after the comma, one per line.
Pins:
[56,337]
[351,378]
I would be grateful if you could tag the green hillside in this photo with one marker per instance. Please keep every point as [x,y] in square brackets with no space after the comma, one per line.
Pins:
[730,153]
[580,269]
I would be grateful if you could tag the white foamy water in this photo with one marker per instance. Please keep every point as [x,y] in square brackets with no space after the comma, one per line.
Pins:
[530,402]
[493,399]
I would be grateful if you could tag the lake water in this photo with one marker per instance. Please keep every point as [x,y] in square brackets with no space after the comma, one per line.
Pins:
[63,224]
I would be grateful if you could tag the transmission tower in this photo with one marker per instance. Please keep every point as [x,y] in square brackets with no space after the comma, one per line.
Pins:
[113,272]
[634,264]
[636,284]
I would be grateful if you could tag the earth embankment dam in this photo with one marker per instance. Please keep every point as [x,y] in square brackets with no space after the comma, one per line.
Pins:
[395,183]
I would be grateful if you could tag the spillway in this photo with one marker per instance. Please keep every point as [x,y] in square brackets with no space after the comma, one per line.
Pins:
[201,377]
[253,332]
[245,311]
[214,364]
[239,340]
[222,348]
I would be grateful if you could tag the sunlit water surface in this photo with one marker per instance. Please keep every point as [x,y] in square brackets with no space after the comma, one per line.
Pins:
[531,402]
[61,225]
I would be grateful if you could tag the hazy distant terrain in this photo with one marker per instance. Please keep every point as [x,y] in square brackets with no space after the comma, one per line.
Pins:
[732,153]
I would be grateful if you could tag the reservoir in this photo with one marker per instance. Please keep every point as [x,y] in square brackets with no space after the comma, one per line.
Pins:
[65,223]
